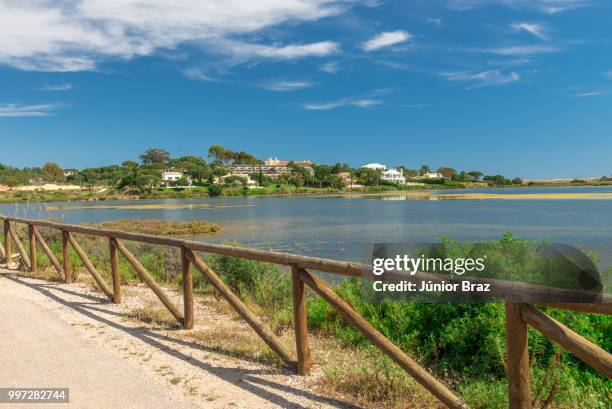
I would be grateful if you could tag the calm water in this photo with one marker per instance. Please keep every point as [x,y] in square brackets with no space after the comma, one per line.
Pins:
[339,227]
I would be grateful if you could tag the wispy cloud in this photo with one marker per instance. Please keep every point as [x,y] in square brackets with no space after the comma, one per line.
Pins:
[56,87]
[72,35]
[520,50]
[435,21]
[386,39]
[16,110]
[197,74]
[331,67]
[245,51]
[608,75]
[535,29]
[597,93]
[484,78]
[544,6]
[344,102]
[285,85]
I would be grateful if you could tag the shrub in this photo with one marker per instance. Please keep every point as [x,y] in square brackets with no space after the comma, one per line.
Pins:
[215,190]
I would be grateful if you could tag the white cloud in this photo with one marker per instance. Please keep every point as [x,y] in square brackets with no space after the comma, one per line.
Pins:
[75,35]
[544,6]
[197,74]
[331,67]
[16,110]
[241,51]
[484,78]
[285,85]
[56,87]
[434,21]
[535,29]
[386,39]
[355,102]
[521,50]
[591,94]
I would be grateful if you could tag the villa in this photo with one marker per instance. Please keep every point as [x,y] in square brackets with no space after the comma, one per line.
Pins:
[171,176]
[432,175]
[250,183]
[388,175]
[394,176]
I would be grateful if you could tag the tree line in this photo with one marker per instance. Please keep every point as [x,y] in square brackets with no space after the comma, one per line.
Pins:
[147,173]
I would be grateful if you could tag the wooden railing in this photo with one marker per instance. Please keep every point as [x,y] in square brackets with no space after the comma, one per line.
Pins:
[518,315]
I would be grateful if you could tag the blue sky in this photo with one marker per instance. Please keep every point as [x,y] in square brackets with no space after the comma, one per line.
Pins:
[518,87]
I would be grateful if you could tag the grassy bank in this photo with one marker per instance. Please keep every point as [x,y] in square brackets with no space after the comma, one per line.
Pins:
[462,344]
[161,227]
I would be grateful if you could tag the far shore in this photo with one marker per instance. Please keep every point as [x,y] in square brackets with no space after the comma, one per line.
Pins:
[428,192]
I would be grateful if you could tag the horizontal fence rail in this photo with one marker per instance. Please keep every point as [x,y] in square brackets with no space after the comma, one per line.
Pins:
[518,315]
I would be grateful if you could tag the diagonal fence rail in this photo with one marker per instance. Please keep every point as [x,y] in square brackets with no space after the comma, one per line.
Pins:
[518,315]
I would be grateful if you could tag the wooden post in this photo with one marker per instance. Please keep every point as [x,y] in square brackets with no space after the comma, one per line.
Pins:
[7,243]
[187,290]
[33,255]
[150,281]
[517,358]
[300,322]
[264,332]
[66,254]
[48,252]
[114,259]
[22,251]
[420,374]
[597,357]
[89,266]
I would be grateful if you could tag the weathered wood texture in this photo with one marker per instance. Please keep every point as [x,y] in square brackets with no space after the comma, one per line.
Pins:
[87,263]
[66,257]
[20,247]
[588,352]
[150,281]
[187,281]
[420,374]
[266,334]
[7,242]
[33,253]
[300,322]
[584,307]
[114,262]
[49,253]
[517,359]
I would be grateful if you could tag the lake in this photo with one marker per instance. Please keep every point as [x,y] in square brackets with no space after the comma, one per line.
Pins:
[340,227]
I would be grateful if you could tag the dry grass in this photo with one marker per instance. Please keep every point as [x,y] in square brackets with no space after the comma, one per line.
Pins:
[156,316]
[161,227]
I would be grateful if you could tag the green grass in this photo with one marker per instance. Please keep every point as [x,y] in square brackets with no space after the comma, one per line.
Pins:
[463,344]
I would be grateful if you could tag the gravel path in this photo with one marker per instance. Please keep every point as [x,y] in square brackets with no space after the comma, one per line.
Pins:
[57,335]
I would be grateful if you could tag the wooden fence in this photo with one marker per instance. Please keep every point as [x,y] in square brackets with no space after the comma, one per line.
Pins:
[518,315]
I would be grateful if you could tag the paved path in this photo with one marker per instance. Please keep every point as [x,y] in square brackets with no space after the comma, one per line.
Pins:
[57,335]
[37,349]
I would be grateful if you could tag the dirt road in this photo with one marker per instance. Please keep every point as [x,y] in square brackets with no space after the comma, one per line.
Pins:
[67,336]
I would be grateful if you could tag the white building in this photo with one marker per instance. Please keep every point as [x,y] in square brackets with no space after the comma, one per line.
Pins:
[171,176]
[375,166]
[394,176]
[250,183]
[433,175]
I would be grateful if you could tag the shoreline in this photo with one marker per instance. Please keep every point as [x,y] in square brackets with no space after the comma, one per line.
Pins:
[433,192]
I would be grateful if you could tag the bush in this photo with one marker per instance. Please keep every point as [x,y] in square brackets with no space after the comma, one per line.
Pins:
[215,190]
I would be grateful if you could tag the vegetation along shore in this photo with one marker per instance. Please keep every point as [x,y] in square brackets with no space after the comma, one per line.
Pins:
[238,173]
[463,344]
